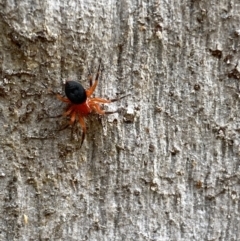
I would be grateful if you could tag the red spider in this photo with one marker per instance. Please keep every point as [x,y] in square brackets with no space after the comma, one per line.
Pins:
[81,104]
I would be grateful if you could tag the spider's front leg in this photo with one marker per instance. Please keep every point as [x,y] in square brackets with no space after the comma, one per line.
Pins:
[94,85]
[90,77]
[63,99]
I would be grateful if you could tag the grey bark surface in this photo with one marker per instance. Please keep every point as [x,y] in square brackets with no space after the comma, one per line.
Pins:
[166,166]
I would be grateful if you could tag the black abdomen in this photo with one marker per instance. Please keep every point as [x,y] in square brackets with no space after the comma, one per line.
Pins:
[75,92]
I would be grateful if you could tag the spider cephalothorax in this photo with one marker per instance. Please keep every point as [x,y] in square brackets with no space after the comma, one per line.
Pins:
[80,103]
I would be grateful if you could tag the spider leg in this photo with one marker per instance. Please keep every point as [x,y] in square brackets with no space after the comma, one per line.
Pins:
[63,99]
[100,100]
[54,93]
[96,107]
[82,123]
[64,127]
[116,99]
[68,112]
[90,77]
[49,90]
[110,112]
[93,87]
[73,118]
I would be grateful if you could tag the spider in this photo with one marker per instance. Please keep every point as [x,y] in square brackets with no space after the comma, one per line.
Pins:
[81,104]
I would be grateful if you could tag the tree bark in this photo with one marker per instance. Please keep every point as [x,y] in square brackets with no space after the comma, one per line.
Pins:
[166,165]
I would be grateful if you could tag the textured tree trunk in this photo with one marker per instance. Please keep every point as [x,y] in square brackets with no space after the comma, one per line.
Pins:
[166,166]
